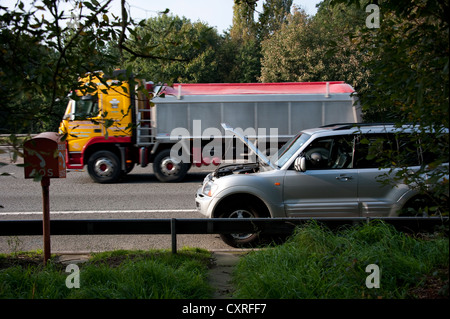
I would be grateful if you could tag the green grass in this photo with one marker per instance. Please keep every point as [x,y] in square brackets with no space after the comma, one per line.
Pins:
[318,263]
[313,263]
[115,275]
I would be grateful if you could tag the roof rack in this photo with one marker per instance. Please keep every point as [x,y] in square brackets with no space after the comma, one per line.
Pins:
[345,126]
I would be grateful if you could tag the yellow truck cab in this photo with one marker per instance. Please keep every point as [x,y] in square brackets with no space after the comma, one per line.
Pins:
[98,127]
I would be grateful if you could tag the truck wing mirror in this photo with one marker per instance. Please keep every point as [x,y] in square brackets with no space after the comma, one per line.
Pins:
[300,164]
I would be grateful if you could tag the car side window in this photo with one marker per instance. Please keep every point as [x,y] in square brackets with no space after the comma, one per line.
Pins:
[385,150]
[333,152]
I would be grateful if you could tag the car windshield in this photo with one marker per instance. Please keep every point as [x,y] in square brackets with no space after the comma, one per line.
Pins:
[285,153]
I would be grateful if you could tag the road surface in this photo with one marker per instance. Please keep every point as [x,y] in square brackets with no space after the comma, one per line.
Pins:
[140,195]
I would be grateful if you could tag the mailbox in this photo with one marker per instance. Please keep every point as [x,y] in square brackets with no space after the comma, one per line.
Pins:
[45,155]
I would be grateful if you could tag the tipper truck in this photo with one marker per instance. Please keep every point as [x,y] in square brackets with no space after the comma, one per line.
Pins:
[115,126]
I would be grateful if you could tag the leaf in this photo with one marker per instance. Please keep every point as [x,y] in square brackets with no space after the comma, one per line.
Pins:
[89,5]
[365,141]
[36,26]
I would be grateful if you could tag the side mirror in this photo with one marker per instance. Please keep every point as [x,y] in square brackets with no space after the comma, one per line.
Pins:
[300,164]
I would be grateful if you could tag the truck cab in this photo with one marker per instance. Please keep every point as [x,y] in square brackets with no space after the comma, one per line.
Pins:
[98,121]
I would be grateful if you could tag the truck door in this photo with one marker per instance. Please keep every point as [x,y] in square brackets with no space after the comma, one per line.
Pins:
[116,112]
[329,185]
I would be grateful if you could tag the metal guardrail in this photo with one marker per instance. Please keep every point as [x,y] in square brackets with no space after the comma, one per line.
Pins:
[178,226]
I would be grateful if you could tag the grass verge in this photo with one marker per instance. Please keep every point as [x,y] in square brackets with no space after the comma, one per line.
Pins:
[111,275]
[317,263]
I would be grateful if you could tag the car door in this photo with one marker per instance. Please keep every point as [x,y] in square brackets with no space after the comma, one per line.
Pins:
[377,195]
[328,187]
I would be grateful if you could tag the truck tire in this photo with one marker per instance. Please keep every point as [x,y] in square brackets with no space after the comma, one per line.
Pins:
[240,210]
[104,167]
[167,169]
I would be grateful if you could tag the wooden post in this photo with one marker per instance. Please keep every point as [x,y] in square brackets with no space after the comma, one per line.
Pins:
[45,183]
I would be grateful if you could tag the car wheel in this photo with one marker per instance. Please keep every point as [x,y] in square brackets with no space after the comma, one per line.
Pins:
[104,167]
[240,239]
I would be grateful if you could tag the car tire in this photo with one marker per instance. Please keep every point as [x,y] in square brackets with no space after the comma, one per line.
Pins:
[240,211]
[104,167]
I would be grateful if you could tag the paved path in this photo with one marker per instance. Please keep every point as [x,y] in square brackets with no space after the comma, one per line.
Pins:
[220,274]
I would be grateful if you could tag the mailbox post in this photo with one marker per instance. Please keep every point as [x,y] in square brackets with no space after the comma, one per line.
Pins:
[45,158]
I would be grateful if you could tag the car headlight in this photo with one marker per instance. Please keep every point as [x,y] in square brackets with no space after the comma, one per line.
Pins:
[209,188]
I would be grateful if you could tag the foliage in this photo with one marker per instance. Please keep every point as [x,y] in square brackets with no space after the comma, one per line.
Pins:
[315,48]
[273,17]
[408,63]
[190,49]
[319,264]
[43,54]
[46,46]
[246,34]
[244,26]
[408,83]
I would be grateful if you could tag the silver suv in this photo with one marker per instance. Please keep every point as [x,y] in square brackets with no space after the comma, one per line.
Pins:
[320,172]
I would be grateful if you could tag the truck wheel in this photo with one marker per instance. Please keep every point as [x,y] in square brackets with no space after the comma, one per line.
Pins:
[240,211]
[104,167]
[169,169]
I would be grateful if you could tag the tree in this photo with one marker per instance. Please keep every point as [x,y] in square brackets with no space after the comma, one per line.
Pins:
[244,26]
[190,49]
[46,46]
[408,83]
[43,55]
[241,51]
[274,15]
[315,48]
[408,63]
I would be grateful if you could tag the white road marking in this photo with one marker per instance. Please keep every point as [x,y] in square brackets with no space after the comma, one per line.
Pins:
[100,212]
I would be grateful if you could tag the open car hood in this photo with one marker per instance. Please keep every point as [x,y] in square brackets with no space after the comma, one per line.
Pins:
[261,157]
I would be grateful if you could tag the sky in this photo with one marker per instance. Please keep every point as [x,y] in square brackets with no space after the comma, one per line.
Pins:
[216,13]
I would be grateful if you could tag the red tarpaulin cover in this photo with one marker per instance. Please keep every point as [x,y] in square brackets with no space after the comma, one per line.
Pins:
[260,88]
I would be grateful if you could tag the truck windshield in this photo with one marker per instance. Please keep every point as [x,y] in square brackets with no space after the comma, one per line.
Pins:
[285,153]
[86,107]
